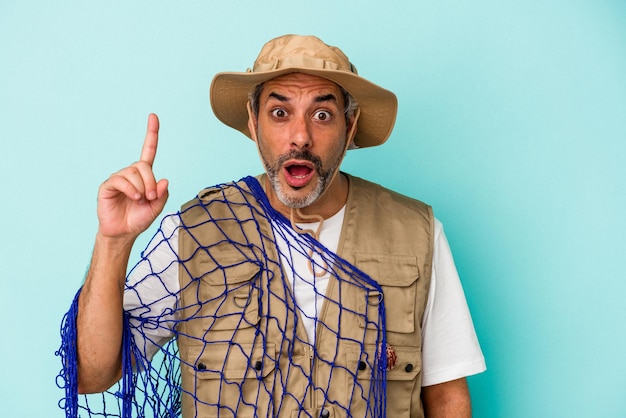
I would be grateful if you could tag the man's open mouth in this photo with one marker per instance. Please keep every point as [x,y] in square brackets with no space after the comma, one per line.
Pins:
[298,173]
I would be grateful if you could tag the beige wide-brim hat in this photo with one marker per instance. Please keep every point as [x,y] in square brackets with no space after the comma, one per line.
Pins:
[309,55]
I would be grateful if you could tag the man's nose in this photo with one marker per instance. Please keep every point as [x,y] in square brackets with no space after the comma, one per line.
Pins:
[301,132]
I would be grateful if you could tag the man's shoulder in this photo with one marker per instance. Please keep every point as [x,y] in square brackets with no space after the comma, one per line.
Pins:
[223,191]
[374,192]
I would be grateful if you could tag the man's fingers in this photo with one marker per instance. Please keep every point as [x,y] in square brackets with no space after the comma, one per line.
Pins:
[117,184]
[162,195]
[148,151]
[141,177]
[141,172]
[161,188]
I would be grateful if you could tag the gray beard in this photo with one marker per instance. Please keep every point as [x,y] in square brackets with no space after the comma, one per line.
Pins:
[323,178]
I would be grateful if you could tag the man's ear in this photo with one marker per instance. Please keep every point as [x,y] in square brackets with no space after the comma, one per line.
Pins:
[252,122]
[352,128]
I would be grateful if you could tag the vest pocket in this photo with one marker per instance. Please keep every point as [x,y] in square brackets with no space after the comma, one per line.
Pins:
[401,380]
[230,379]
[230,297]
[397,275]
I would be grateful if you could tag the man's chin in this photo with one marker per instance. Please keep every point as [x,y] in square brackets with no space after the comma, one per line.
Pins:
[296,202]
[297,198]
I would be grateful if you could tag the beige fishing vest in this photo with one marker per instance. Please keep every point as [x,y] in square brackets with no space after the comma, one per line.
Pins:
[386,235]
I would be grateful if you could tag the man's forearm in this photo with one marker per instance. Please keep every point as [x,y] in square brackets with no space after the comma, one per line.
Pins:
[100,316]
[447,400]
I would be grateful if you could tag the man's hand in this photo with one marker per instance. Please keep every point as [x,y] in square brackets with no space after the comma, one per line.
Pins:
[131,199]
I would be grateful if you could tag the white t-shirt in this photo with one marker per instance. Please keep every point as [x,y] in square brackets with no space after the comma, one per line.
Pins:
[309,300]
[450,346]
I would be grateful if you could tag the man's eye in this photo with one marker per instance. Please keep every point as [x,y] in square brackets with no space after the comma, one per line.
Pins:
[279,113]
[322,115]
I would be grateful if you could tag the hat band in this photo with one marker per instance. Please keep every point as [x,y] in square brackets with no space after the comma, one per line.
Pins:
[299,62]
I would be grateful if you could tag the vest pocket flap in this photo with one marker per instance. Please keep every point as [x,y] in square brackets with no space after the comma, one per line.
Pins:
[408,366]
[230,273]
[408,363]
[232,361]
[360,362]
[230,298]
[325,411]
[389,270]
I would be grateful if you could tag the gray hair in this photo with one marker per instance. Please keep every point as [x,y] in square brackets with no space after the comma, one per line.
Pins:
[349,109]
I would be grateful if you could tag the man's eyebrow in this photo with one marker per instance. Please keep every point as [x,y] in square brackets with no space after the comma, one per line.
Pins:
[326,98]
[278,97]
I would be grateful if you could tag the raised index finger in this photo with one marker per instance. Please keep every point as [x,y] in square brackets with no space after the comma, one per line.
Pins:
[148,151]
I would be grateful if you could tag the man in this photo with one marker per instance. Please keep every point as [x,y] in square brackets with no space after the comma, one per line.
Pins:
[302,292]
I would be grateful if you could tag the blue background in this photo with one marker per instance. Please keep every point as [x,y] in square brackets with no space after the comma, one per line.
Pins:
[512,124]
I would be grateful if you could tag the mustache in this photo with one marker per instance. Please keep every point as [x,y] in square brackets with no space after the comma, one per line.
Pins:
[301,155]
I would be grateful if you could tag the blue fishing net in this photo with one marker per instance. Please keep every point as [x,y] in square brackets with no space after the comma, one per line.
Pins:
[248,354]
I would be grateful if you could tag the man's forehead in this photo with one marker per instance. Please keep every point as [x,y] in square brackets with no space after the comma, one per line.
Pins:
[301,81]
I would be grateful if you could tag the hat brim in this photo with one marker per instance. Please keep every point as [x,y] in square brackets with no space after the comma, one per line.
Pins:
[229,95]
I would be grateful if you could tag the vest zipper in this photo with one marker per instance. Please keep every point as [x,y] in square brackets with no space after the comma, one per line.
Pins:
[311,394]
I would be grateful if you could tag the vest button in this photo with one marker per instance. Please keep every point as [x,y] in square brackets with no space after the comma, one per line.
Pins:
[408,368]
[201,366]
[258,365]
[362,365]
[325,413]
